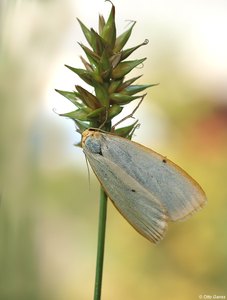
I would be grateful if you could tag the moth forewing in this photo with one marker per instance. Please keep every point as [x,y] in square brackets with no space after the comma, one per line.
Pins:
[139,208]
[170,184]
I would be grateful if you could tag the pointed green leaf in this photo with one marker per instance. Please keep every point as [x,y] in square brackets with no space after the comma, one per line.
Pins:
[72,96]
[109,30]
[69,95]
[96,78]
[89,77]
[88,67]
[123,38]
[88,34]
[90,53]
[83,74]
[126,131]
[115,59]
[101,24]
[114,110]
[82,125]
[79,114]
[134,89]
[127,52]
[129,136]
[102,94]
[104,65]
[119,98]
[95,114]
[100,43]
[127,83]
[114,85]
[125,67]
[89,99]
[92,57]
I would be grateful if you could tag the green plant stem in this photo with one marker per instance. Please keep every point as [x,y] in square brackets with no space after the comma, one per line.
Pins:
[101,244]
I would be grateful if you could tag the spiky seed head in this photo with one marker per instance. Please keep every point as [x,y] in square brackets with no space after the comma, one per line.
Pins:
[105,71]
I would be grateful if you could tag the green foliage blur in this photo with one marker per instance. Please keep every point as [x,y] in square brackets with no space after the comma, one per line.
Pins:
[48,209]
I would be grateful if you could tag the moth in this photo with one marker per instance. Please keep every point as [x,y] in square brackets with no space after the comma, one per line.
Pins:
[148,189]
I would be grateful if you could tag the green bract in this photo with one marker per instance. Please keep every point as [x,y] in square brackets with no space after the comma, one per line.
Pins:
[105,70]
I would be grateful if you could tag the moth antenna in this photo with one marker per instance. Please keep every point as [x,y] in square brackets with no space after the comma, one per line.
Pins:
[104,122]
[131,114]
[89,174]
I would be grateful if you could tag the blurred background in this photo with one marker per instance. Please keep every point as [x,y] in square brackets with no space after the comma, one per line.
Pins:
[48,212]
